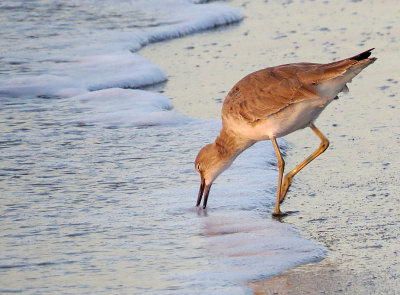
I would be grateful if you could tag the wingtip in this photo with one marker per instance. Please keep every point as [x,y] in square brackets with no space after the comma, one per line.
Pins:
[362,55]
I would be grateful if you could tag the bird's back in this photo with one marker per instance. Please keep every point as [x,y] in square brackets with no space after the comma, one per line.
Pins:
[266,92]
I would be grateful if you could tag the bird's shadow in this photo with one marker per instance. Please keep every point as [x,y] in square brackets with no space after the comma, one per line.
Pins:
[282,216]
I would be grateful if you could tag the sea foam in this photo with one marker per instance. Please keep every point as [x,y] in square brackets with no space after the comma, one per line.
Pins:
[116,106]
[123,70]
[189,18]
[94,60]
[45,85]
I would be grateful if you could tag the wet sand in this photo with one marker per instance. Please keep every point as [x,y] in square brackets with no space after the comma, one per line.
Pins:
[347,199]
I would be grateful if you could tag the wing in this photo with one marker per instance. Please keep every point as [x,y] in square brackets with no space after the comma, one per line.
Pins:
[266,92]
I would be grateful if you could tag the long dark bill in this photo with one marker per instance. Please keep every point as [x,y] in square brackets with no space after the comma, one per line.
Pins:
[206,192]
[201,190]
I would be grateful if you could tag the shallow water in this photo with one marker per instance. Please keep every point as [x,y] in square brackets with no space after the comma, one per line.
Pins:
[111,208]
[97,179]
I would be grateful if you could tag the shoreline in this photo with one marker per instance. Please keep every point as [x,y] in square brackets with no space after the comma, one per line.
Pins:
[347,199]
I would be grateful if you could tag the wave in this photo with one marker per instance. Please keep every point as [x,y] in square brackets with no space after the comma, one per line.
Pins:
[108,59]
[128,107]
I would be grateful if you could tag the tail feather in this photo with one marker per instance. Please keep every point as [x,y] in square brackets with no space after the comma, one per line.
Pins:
[353,65]
[342,72]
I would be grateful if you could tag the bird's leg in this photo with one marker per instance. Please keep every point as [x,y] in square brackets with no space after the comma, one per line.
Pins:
[289,176]
[281,166]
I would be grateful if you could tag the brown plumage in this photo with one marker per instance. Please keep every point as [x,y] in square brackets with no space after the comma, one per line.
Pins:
[272,103]
[268,91]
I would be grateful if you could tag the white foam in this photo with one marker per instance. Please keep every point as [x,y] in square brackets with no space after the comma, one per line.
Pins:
[42,85]
[129,70]
[186,18]
[175,18]
[116,106]
[123,69]
[79,75]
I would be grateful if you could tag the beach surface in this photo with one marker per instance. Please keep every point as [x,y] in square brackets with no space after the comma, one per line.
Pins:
[348,199]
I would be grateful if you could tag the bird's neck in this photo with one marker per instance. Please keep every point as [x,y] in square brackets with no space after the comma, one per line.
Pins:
[230,144]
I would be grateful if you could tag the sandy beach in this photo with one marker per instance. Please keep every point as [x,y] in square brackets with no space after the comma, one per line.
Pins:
[347,200]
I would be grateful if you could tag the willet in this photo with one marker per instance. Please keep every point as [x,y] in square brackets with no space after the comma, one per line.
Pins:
[272,103]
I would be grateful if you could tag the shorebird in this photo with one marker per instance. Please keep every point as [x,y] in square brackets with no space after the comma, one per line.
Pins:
[272,103]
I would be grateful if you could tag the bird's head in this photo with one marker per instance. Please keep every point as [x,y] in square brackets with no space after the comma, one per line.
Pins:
[210,162]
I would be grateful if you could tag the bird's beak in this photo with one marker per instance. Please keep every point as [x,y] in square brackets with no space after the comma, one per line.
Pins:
[204,189]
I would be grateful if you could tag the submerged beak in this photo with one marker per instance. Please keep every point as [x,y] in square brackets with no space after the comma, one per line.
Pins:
[203,189]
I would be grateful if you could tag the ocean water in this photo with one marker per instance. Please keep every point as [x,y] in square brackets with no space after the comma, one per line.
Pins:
[97,177]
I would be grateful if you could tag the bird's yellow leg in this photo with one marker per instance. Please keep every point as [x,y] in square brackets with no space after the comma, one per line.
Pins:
[281,166]
[289,176]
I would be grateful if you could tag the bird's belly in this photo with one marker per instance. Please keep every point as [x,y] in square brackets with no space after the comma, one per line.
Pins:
[288,120]
[294,117]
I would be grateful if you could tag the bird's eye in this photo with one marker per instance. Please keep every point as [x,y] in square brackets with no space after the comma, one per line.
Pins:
[198,167]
